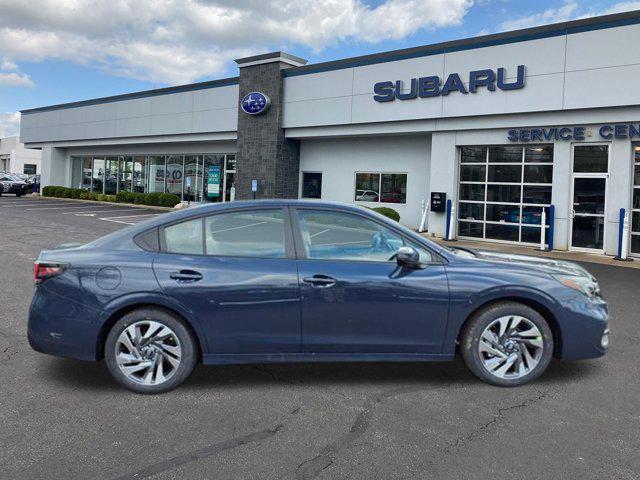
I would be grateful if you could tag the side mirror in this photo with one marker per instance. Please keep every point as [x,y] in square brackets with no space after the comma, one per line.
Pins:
[407,257]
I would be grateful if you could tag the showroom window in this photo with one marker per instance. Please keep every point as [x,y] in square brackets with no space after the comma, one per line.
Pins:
[210,175]
[311,184]
[29,169]
[381,187]
[635,212]
[502,191]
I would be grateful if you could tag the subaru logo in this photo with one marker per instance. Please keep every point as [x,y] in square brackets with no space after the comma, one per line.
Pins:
[255,103]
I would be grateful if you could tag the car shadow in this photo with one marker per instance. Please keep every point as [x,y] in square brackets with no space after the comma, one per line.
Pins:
[95,376]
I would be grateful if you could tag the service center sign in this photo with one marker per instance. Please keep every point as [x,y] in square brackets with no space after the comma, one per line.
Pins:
[425,87]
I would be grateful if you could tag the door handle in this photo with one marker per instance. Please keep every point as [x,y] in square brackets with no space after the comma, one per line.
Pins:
[186,276]
[320,281]
[573,214]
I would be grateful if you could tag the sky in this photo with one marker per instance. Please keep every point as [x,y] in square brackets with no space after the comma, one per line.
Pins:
[57,51]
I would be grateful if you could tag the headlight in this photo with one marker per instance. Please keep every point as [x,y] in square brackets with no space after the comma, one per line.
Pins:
[583,285]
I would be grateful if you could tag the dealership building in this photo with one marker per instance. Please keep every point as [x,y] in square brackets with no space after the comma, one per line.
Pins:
[504,126]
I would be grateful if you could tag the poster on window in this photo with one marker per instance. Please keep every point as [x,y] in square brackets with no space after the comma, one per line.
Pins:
[213,181]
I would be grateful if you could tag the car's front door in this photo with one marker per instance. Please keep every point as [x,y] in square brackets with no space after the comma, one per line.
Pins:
[355,298]
[235,271]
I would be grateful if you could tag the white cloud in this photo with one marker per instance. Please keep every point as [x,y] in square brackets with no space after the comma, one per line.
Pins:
[11,76]
[7,64]
[175,41]
[13,79]
[9,123]
[551,15]
[571,10]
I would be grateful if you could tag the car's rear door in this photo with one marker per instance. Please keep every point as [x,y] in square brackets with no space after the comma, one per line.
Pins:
[354,297]
[236,272]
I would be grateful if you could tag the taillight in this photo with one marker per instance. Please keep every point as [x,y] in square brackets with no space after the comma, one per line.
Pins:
[44,270]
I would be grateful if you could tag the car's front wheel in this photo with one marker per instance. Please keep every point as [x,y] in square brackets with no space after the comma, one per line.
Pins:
[149,350]
[507,344]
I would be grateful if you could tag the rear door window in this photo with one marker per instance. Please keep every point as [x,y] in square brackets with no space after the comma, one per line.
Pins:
[247,233]
[185,237]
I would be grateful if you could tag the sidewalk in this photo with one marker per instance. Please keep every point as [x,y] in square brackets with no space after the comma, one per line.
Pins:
[529,250]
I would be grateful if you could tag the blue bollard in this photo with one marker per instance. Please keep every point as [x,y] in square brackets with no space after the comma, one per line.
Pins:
[448,219]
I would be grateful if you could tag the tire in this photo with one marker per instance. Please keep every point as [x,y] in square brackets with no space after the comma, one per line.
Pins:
[134,364]
[500,359]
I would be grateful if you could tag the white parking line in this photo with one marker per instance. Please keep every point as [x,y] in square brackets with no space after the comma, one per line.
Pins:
[67,207]
[28,201]
[119,219]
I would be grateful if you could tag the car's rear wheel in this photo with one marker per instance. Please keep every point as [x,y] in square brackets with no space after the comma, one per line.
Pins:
[507,344]
[149,350]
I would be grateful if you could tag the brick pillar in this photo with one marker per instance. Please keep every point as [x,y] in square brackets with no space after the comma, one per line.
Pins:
[263,152]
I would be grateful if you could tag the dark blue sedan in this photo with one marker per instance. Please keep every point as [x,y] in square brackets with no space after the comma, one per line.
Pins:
[297,281]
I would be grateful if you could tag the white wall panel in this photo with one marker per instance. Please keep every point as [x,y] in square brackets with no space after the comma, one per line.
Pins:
[540,56]
[603,48]
[340,159]
[366,110]
[216,98]
[325,111]
[219,120]
[337,83]
[603,87]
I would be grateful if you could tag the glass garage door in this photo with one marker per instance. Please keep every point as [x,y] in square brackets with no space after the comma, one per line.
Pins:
[502,192]
[635,214]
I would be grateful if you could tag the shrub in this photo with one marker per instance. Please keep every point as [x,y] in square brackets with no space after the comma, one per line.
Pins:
[153,198]
[139,198]
[169,200]
[111,198]
[48,191]
[85,195]
[387,212]
[124,197]
[76,192]
[101,197]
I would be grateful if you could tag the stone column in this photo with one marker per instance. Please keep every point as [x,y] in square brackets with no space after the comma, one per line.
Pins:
[264,154]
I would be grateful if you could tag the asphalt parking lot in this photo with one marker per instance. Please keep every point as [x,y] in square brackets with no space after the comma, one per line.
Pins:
[67,419]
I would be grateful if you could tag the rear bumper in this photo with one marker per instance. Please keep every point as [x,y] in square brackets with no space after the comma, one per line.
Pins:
[61,327]
[583,327]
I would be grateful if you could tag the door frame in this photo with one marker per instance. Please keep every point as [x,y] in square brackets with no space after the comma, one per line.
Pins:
[572,214]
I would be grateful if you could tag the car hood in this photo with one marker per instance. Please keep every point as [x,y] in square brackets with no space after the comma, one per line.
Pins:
[546,265]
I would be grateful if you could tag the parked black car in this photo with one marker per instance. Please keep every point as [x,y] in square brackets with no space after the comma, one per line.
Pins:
[12,184]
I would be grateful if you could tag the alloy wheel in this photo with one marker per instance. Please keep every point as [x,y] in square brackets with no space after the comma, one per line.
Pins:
[510,347]
[148,352]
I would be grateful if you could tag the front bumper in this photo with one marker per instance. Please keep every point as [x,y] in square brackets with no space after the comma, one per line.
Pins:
[584,325]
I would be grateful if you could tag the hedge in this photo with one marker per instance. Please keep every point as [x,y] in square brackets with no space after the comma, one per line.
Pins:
[154,198]
[387,212]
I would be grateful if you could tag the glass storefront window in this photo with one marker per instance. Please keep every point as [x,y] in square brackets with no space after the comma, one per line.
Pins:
[212,178]
[503,200]
[192,177]
[175,174]
[156,173]
[126,174]
[111,176]
[98,175]
[138,174]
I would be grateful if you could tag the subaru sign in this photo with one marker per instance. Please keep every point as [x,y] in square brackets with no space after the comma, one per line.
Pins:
[425,87]
[255,103]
